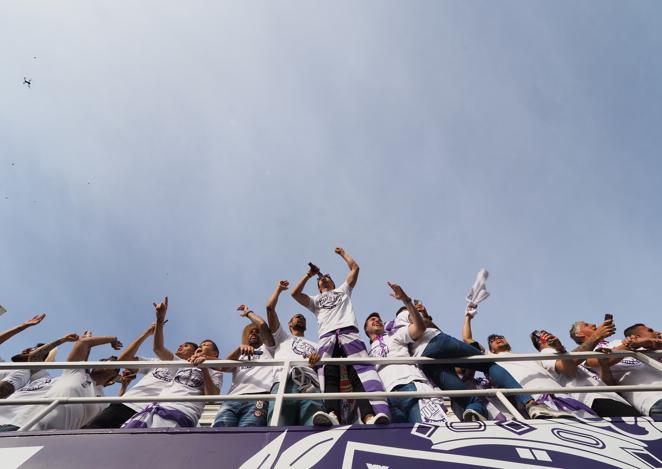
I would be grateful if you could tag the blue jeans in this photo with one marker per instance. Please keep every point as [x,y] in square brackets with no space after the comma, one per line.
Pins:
[404,409]
[656,411]
[445,346]
[241,414]
[294,412]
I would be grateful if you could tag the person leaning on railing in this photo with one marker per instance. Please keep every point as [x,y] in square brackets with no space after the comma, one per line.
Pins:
[257,343]
[394,342]
[301,378]
[571,373]
[11,380]
[188,380]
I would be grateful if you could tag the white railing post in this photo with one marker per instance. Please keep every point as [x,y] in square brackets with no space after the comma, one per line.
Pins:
[282,385]
[511,408]
[43,413]
[648,361]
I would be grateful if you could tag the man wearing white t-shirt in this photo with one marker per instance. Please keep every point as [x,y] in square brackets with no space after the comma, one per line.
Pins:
[256,343]
[339,337]
[302,378]
[573,373]
[76,383]
[627,370]
[187,380]
[532,374]
[394,342]
[11,380]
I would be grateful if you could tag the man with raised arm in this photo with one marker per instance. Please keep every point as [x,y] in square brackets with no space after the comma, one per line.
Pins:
[568,372]
[78,382]
[436,344]
[188,380]
[302,378]
[11,380]
[154,380]
[256,343]
[339,337]
[394,342]
[37,381]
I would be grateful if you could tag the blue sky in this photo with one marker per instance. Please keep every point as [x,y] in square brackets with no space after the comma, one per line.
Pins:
[205,151]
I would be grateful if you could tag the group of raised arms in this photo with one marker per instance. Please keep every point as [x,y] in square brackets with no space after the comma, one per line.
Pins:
[412,333]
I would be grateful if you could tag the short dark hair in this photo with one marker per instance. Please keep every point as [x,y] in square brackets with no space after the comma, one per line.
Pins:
[214,346]
[491,337]
[535,339]
[632,329]
[371,315]
[401,309]
[193,344]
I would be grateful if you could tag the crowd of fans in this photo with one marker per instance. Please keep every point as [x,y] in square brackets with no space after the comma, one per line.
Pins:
[412,333]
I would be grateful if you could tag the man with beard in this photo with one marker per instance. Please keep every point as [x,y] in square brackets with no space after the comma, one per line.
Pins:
[302,378]
[339,337]
[256,343]
[188,380]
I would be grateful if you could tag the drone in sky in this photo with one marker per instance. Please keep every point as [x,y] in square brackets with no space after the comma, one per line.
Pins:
[27,82]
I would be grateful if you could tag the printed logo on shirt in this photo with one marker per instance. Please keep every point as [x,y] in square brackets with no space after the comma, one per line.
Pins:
[379,350]
[191,377]
[330,299]
[164,374]
[37,384]
[301,347]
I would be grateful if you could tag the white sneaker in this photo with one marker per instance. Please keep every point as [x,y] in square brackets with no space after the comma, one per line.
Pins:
[379,419]
[323,419]
[541,411]
[470,415]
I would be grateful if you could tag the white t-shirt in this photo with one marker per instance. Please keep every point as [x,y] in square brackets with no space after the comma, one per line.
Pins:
[395,344]
[631,371]
[293,347]
[151,384]
[38,386]
[583,377]
[333,309]
[529,374]
[17,378]
[418,347]
[185,381]
[72,383]
[253,379]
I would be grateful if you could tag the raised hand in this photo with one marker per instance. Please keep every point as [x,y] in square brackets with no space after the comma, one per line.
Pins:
[161,309]
[471,310]
[35,320]
[71,337]
[128,375]
[313,358]
[116,344]
[86,334]
[605,329]
[283,285]
[339,251]
[398,292]
[420,307]
[243,310]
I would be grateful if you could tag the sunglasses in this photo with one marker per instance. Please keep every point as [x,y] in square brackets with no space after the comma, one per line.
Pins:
[496,337]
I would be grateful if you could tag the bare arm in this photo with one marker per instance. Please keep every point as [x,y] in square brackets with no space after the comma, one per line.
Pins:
[158,345]
[416,326]
[8,334]
[605,373]
[130,352]
[353,274]
[81,349]
[210,388]
[467,334]
[272,317]
[297,293]
[39,354]
[265,333]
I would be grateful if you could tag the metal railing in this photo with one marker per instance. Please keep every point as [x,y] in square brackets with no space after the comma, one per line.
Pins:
[649,358]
